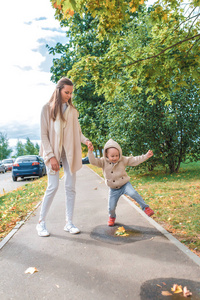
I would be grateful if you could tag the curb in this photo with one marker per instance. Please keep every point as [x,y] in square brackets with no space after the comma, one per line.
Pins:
[168,235]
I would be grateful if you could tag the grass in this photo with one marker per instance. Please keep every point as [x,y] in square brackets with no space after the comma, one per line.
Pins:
[175,198]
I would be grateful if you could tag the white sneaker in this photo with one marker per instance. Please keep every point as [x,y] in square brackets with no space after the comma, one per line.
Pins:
[41,229]
[71,229]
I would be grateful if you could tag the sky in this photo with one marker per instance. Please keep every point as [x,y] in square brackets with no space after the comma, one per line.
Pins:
[26,27]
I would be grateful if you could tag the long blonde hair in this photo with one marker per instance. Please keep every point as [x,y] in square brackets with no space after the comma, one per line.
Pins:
[56,101]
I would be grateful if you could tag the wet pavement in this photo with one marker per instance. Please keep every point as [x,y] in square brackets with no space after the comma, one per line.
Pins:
[96,264]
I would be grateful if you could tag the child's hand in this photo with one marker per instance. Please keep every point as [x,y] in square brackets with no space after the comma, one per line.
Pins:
[90,146]
[149,153]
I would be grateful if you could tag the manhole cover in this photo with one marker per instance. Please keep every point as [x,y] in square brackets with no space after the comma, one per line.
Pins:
[153,289]
[136,233]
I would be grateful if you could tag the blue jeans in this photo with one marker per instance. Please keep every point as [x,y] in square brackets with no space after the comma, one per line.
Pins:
[114,195]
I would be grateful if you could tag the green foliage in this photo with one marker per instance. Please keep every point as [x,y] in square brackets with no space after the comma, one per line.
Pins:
[27,149]
[20,149]
[171,131]
[161,54]
[5,151]
[30,148]
[112,15]
[138,84]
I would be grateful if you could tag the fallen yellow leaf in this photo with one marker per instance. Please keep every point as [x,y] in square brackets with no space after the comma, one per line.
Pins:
[121,229]
[176,289]
[31,270]
[166,293]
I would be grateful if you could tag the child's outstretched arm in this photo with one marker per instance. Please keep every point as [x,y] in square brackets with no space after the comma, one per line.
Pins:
[95,160]
[149,153]
[136,160]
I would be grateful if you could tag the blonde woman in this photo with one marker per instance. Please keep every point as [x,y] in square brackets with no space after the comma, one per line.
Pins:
[61,139]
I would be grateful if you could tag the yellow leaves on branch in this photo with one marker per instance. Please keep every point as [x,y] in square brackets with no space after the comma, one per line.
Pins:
[134,5]
[69,12]
[133,9]
[66,7]
[107,9]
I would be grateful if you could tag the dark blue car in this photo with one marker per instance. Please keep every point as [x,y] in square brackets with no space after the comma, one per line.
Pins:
[27,166]
[85,160]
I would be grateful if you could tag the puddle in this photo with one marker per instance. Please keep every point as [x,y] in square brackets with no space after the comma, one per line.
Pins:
[107,234]
[152,289]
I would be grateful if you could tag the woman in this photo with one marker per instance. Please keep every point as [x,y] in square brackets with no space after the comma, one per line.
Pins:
[61,139]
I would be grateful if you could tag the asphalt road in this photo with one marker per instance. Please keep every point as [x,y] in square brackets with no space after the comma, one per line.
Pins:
[8,185]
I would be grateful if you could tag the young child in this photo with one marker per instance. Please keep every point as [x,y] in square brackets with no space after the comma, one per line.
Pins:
[113,164]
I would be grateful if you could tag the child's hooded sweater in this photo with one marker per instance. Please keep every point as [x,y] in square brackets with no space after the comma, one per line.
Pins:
[115,174]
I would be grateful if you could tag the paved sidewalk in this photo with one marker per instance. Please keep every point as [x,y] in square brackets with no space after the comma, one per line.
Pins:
[95,264]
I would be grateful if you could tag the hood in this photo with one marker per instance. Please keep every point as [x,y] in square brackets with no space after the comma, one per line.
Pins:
[112,144]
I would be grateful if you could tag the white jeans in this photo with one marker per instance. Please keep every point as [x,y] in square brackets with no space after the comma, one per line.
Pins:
[70,192]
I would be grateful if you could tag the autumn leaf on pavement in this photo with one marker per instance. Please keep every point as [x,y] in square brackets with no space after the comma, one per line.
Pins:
[176,289]
[166,293]
[31,270]
[121,231]
[186,292]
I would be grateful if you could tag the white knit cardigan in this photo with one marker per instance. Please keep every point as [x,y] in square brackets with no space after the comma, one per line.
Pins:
[72,139]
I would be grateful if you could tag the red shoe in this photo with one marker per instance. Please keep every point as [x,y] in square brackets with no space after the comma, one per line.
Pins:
[111,221]
[149,211]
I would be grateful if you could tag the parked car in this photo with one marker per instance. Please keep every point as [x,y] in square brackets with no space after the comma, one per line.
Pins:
[2,169]
[85,160]
[8,163]
[27,166]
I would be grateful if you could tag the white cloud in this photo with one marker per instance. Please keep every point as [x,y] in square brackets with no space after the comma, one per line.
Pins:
[25,88]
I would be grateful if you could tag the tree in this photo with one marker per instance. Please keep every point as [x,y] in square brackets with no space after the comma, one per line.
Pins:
[144,43]
[20,149]
[145,102]
[172,131]
[113,14]
[37,149]
[29,147]
[5,151]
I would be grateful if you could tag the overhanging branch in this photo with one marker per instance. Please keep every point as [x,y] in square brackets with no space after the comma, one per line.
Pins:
[161,52]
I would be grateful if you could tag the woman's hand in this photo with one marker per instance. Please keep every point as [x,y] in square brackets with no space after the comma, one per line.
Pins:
[90,146]
[54,164]
[149,153]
